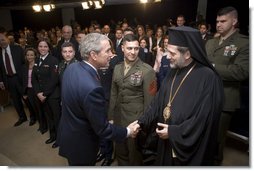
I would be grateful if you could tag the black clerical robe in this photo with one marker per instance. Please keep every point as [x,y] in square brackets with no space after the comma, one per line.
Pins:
[193,124]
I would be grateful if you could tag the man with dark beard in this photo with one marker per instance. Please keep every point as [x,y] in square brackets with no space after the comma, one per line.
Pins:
[186,110]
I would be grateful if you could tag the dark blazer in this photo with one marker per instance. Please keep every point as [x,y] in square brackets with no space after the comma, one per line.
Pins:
[14,83]
[164,69]
[111,36]
[146,56]
[119,51]
[83,121]
[18,61]
[207,37]
[25,78]
[45,77]
[155,42]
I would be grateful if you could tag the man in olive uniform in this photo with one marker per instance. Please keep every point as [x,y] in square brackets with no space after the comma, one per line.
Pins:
[133,87]
[229,54]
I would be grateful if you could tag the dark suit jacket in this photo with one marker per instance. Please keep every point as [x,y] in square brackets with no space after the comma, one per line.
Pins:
[119,51]
[164,69]
[207,37]
[84,121]
[155,42]
[111,36]
[18,61]
[146,56]
[25,78]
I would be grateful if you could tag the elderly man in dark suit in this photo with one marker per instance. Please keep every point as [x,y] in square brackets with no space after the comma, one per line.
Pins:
[84,121]
[11,61]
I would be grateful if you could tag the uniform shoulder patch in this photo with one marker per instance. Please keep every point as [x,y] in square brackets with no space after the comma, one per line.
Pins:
[153,88]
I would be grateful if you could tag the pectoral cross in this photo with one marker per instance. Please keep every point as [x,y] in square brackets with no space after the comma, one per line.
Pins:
[167,112]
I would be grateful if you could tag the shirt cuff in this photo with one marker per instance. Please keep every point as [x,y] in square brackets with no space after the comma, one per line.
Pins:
[128,132]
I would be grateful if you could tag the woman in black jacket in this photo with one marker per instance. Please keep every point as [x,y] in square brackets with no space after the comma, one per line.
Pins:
[28,91]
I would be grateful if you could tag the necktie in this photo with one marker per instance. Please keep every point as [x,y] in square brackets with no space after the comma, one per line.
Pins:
[221,41]
[8,64]
[117,44]
[126,69]
[41,60]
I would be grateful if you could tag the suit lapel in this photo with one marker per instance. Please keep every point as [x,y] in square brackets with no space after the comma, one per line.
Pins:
[122,70]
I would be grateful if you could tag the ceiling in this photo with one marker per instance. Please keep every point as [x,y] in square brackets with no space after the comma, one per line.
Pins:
[23,4]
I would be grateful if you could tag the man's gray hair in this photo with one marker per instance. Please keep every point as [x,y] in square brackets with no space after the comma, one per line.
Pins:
[67,27]
[91,42]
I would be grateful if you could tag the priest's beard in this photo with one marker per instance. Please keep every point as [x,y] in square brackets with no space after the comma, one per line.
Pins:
[178,63]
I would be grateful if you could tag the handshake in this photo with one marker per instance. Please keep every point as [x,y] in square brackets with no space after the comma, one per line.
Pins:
[134,128]
[161,130]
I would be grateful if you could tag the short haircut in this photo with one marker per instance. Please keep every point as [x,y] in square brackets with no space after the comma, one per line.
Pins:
[227,10]
[128,29]
[130,38]
[181,16]
[67,44]
[91,42]
[67,27]
[119,28]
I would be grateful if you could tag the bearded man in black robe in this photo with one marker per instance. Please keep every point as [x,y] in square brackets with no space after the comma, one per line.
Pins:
[186,109]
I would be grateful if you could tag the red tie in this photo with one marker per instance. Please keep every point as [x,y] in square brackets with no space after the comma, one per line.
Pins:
[8,63]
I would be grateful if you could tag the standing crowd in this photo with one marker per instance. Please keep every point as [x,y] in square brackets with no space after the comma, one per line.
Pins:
[163,99]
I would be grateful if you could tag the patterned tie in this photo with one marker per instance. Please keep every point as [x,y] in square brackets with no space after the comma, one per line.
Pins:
[8,63]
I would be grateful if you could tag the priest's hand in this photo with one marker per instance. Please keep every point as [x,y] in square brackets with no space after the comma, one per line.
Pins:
[162,130]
